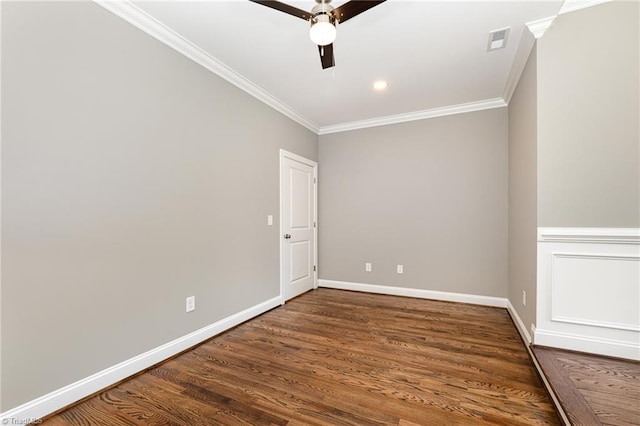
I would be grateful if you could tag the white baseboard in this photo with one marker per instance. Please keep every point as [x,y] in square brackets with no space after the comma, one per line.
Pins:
[522,329]
[58,399]
[499,302]
[589,344]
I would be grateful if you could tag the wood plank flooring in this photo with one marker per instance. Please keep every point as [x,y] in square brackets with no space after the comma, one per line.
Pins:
[593,390]
[332,357]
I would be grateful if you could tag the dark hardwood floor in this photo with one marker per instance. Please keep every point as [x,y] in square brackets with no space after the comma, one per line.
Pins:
[593,390]
[332,357]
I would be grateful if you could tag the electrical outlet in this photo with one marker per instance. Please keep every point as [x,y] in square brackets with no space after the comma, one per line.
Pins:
[191,303]
[367,267]
[524,298]
[269,220]
[400,269]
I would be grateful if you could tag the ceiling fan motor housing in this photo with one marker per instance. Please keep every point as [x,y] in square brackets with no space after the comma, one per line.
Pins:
[322,10]
[322,7]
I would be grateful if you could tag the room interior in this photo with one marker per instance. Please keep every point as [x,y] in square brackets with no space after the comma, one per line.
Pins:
[141,150]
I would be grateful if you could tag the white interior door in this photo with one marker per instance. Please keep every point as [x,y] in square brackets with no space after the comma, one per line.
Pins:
[298,224]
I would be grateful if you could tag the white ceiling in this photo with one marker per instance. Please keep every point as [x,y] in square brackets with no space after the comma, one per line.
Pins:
[432,53]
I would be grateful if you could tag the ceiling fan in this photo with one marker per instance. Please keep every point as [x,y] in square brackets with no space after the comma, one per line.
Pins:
[324,18]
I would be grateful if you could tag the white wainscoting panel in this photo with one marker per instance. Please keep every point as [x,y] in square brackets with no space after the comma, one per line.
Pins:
[596,290]
[589,290]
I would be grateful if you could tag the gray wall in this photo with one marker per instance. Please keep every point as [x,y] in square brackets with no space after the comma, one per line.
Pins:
[588,119]
[131,179]
[523,221]
[430,195]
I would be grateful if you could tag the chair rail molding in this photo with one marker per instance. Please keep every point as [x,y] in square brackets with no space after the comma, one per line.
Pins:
[590,235]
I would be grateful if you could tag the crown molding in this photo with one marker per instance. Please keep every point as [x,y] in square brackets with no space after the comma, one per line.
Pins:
[413,116]
[127,11]
[138,18]
[527,41]
[539,27]
[573,5]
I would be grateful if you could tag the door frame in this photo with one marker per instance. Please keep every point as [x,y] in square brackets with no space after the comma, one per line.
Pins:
[286,154]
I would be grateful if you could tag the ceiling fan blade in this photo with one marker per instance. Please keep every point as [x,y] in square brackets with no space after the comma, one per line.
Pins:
[326,56]
[353,8]
[283,7]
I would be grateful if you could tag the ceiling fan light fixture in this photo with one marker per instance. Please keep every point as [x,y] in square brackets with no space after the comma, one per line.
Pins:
[323,29]
[324,19]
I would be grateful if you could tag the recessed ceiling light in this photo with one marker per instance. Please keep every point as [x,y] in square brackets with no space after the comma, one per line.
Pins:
[380,85]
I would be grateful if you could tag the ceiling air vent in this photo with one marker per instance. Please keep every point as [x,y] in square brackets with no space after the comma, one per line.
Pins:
[498,39]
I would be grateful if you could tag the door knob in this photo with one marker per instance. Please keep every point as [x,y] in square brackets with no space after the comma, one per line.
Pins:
[287,236]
